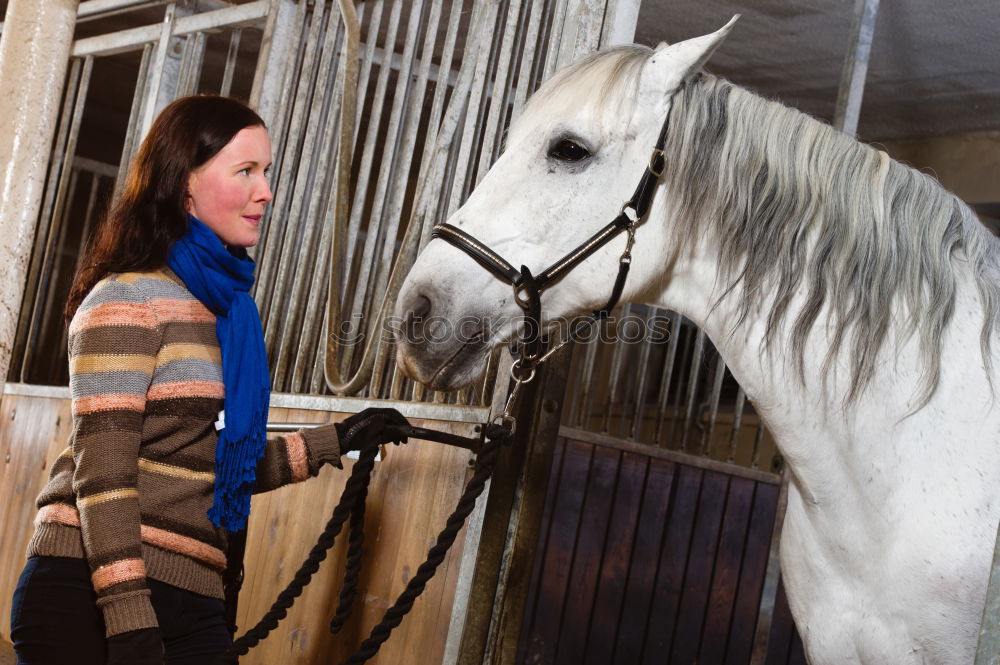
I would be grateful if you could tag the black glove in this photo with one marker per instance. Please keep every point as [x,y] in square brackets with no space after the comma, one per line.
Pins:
[136,647]
[372,426]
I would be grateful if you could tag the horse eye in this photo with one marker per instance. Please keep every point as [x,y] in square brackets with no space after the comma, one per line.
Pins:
[568,150]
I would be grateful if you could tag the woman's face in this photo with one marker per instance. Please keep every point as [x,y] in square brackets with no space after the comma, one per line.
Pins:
[229,192]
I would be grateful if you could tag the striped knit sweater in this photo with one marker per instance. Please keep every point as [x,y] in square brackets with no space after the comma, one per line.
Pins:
[132,491]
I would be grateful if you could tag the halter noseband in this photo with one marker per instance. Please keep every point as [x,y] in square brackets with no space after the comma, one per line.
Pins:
[528,288]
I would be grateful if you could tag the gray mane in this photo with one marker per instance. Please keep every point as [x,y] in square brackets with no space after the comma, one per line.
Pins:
[793,202]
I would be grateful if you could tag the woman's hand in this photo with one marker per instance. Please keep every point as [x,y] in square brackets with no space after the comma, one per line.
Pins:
[372,426]
[136,647]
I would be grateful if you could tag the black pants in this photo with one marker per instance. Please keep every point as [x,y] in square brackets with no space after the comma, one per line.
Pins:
[54,618]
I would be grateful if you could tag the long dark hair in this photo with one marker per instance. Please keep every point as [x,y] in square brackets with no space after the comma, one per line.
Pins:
[149,215]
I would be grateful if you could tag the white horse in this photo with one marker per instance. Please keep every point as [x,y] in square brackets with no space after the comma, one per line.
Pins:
[853,298]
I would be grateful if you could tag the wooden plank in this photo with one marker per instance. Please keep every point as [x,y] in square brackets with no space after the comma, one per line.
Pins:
[670,577]
[643,566]
[554,579]
[412,493]
[726,577]
[543,539]
[616,567]
[698,576]
[34,431]
[587,557]
[751,582]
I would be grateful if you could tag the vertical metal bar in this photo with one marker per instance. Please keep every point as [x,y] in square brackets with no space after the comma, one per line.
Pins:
[772,575]
[152,104]
[277,260]
[988,651]
[395,170]
[501,82]
[23,343]
[288,28]
[686,357]
[852,77]
[322,206]
[309,175]
[755,456]
[555,33]
[619,27]
[132,136]
[231,55]
[642,370]
[617,360]
[57,221]
[53,267]
[713,405]
[276,62]
[741,397]
[361,301]
[579,408]
[531,46]
[472,112]
[692,388]
[309,178]
[668,372]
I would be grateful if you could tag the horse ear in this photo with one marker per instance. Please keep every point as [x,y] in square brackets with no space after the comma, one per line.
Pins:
[672,64]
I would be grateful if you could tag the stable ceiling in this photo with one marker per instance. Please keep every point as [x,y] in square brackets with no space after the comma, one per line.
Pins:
[934,68]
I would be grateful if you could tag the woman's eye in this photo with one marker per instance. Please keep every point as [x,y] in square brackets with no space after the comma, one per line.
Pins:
[245,171]
[568,150]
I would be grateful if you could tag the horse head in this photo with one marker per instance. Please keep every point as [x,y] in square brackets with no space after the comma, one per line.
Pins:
[570,161]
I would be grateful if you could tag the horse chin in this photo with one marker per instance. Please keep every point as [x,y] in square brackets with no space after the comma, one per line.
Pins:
[444,369]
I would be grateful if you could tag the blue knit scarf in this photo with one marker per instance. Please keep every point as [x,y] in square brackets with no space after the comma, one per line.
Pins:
[221,280]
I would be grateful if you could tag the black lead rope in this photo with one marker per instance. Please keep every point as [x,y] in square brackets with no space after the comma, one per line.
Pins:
[493,437]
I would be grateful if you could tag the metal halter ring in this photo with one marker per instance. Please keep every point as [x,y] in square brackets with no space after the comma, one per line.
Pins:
[522,302]
[516,367]
[506,421]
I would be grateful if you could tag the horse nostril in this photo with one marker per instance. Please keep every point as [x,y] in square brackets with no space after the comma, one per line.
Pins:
[421,307]
[413,324]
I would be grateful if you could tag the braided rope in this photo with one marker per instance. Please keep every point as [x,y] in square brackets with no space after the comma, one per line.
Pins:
[356,486]
[353,568]
[352,504]
[496,437]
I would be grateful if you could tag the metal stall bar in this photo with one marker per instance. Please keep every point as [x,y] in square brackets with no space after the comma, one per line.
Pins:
[852,78]
[234,50]
[321,206]
[27,327]
[135,38]
[988,649]
[276,260]
[297,258]
[391,166]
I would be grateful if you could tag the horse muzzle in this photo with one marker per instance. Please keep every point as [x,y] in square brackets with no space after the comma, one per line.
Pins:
[440,352]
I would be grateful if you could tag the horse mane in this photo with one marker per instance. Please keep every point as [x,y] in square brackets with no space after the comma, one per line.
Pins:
[793,202]
[790,201]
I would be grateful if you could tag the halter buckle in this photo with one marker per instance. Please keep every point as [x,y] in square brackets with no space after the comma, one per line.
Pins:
[657,154]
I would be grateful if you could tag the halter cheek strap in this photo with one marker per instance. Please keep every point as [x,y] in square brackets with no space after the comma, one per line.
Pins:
[528,288]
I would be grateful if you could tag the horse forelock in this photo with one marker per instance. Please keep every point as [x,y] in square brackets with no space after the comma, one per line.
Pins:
[791,201]
[605,82]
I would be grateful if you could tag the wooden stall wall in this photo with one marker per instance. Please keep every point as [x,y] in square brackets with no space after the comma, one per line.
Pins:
[411,495]
[644,560]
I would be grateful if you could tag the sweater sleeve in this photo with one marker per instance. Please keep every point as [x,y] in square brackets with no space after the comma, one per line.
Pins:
[113,342]
[295,457]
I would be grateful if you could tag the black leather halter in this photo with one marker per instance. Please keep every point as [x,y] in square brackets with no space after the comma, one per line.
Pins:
[528,288]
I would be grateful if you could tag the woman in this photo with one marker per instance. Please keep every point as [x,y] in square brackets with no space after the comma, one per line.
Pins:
[170,389]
